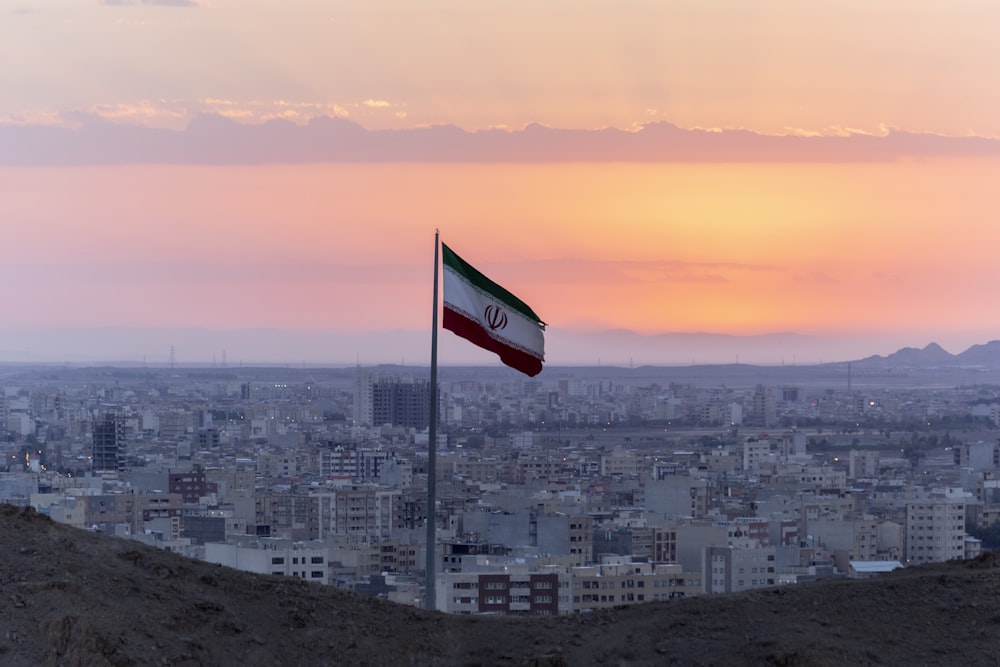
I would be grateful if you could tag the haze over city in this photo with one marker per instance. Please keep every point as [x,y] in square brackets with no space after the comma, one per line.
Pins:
[261,181]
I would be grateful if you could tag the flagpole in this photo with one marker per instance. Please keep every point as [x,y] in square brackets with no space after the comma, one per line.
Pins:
[431,558]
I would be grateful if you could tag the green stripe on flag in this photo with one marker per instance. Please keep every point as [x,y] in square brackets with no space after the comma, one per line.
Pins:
[476,278]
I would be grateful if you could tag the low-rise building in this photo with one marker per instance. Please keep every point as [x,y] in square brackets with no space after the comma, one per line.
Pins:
[623,580]
[275,556]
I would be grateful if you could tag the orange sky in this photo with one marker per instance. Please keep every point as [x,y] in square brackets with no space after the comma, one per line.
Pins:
[904,250]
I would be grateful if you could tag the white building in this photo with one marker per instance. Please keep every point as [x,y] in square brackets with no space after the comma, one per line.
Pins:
[730,569]
[354,509]
[863,569]
[756,452]
[272,556]
[935,528]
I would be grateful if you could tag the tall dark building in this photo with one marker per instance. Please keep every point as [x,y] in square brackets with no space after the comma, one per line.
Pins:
[108,454]
[406,404]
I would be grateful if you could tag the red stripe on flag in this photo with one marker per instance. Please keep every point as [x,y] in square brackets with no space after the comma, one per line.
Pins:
[473,331]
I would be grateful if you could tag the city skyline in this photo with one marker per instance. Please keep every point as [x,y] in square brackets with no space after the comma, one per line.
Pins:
[736,171]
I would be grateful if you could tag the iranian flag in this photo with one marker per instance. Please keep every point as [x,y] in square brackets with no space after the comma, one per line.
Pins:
[484,313]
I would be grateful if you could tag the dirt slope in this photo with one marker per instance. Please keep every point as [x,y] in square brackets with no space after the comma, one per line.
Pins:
[70,597]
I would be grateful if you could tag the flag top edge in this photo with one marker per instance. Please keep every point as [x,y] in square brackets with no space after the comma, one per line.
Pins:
[454,262]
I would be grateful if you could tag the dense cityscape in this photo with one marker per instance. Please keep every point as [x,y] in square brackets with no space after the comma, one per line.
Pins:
[580,489]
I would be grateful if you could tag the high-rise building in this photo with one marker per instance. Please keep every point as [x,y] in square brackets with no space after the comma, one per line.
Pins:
[108,453]
[364,378]
[399,403]
[762,408]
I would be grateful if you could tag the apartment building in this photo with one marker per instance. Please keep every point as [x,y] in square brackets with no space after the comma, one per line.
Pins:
[358,510]
[622,580]
[134,511]
[503,593]
[935,528]
[732,569]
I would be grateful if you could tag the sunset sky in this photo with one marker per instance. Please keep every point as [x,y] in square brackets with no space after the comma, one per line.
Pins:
[870,240]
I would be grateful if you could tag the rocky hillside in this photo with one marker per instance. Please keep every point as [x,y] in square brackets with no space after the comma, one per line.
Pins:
[75,598]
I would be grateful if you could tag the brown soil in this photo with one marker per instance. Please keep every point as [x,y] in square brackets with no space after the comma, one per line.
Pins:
[74,598]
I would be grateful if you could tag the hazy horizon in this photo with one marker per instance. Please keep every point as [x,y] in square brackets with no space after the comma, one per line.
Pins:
[200,347]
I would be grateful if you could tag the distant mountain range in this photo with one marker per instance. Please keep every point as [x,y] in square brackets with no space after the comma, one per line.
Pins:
[986,355]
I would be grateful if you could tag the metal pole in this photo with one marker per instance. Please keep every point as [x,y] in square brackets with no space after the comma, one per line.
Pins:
[431,565]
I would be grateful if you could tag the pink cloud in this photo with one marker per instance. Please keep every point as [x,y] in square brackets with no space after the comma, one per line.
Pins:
[216,139]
